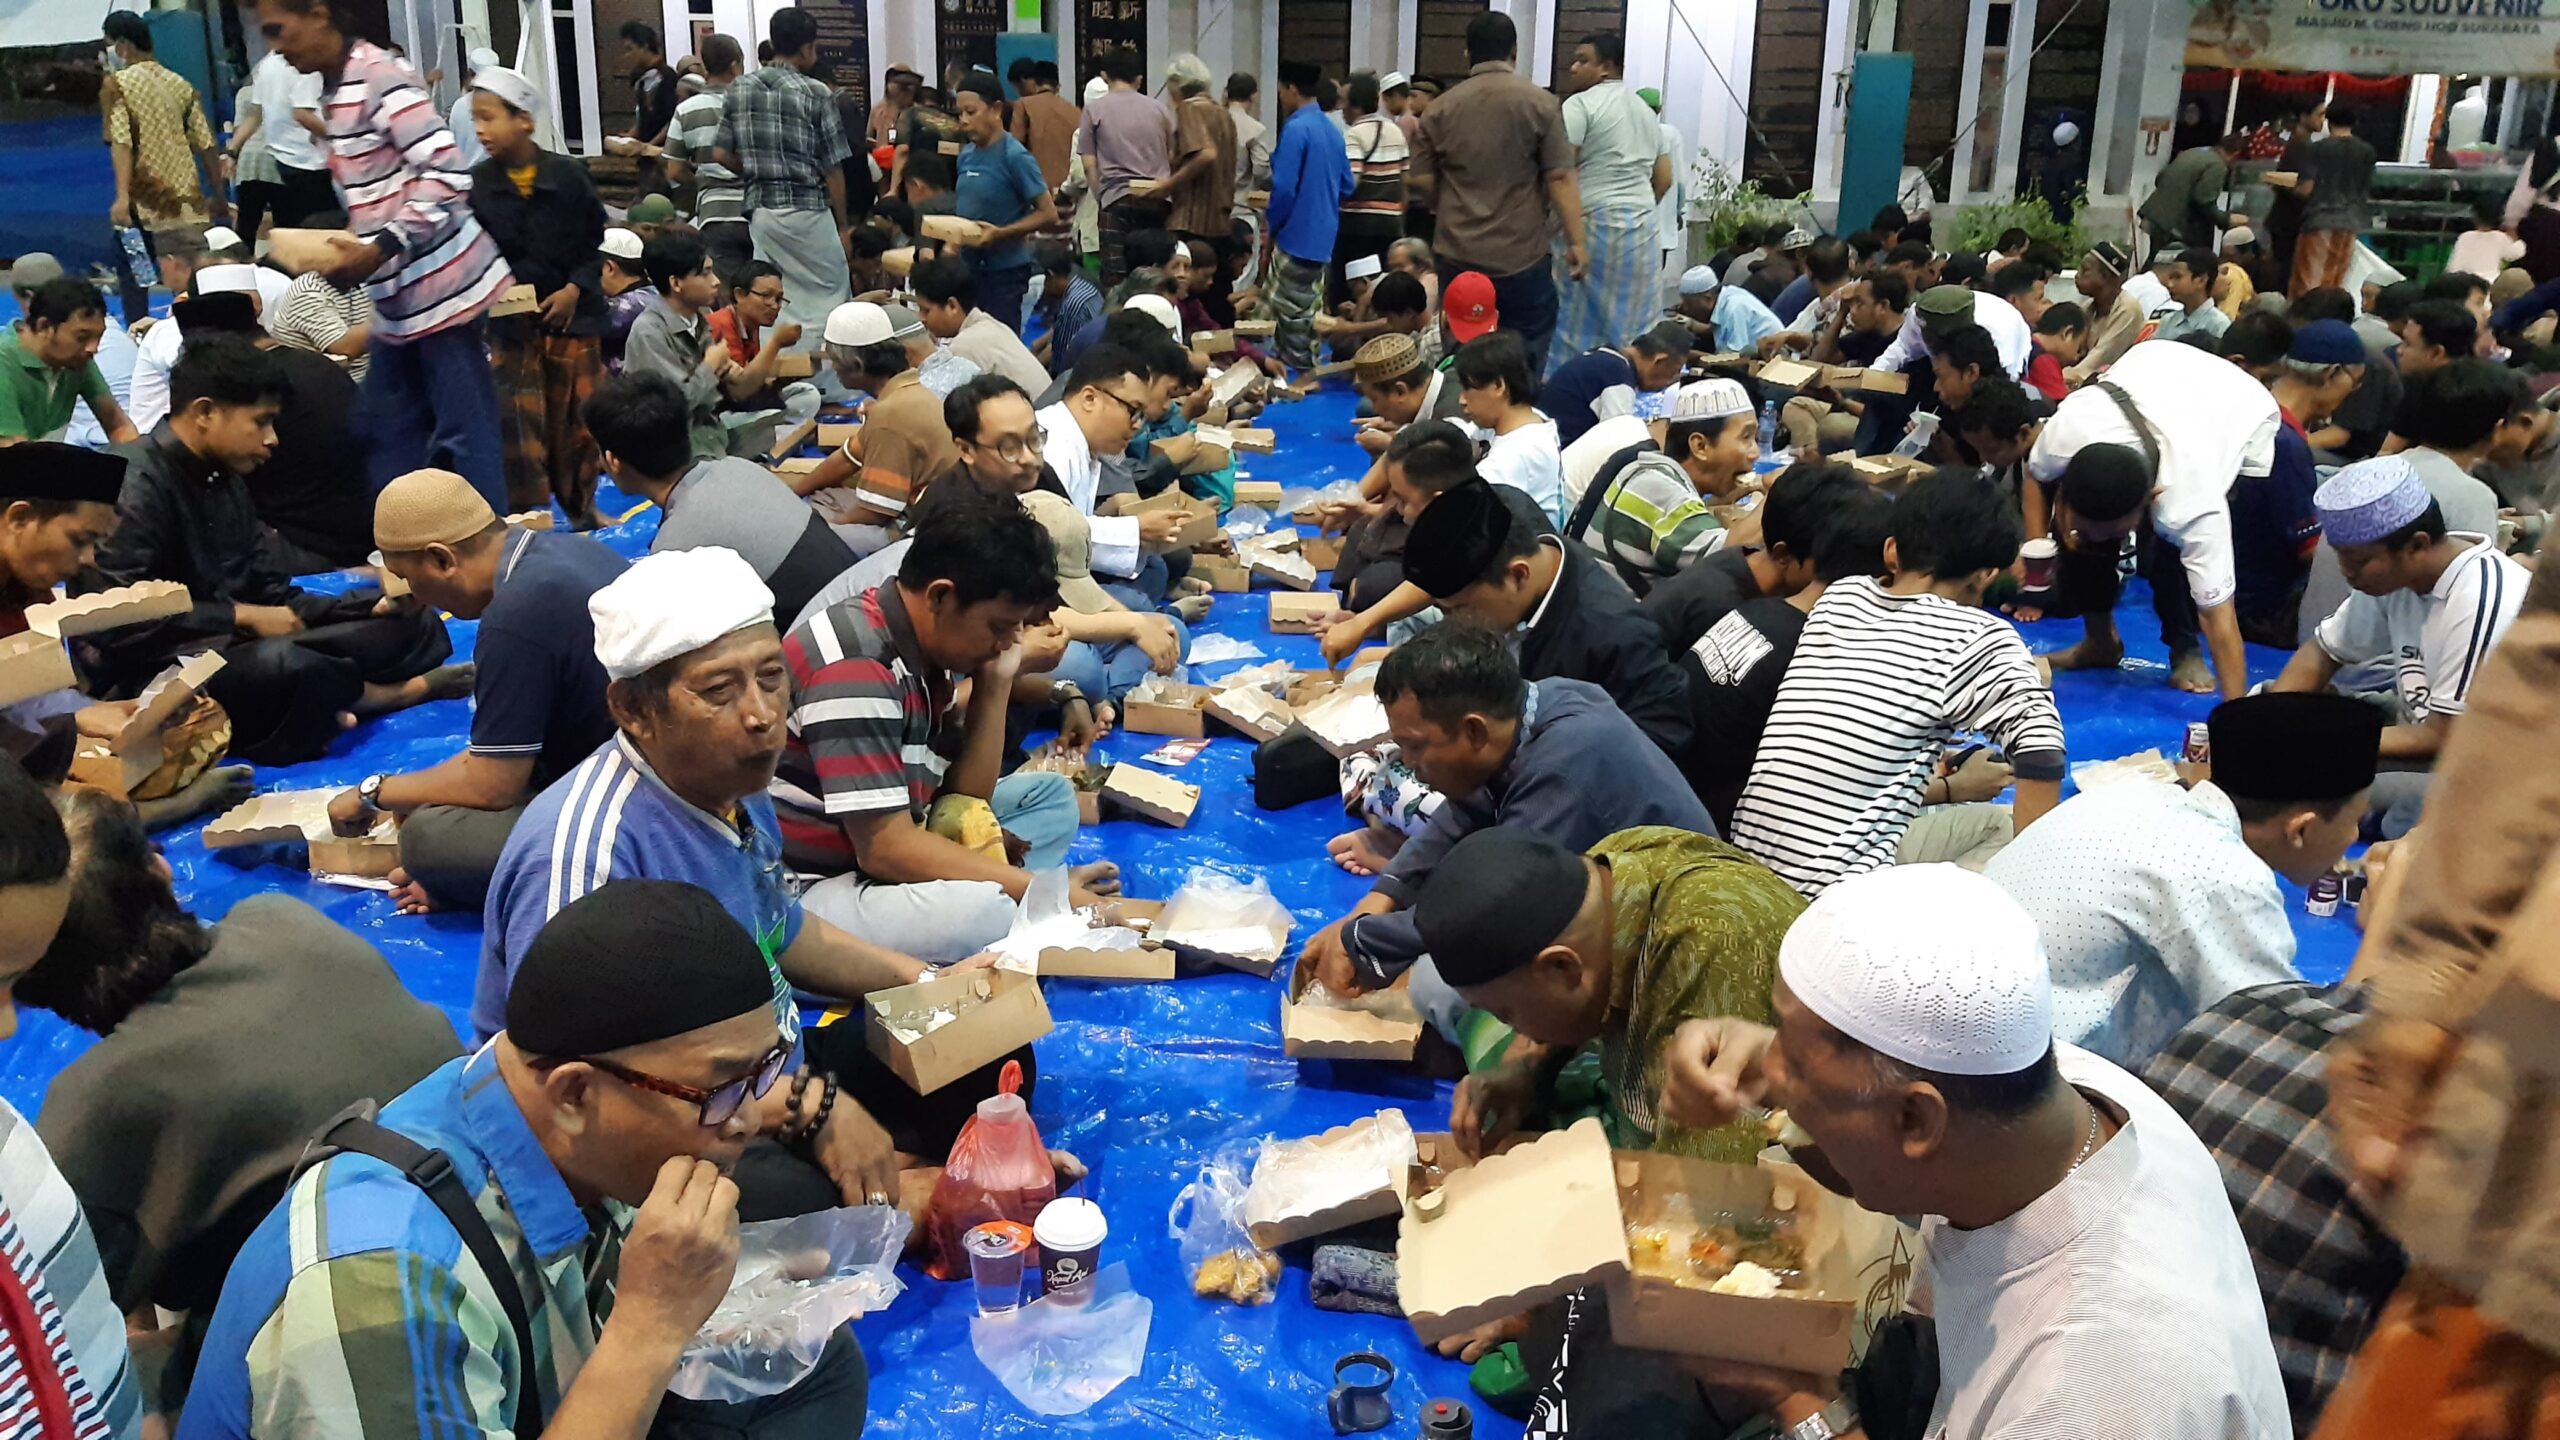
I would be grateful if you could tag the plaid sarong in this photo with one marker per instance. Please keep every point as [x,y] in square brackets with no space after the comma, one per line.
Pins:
[544,381]
[1620,297]
[1292,292]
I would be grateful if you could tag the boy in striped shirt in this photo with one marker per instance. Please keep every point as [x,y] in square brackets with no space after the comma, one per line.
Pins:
[433,271]
[1885,674]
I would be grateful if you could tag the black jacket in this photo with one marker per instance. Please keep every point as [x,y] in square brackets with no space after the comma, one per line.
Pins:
[1593,631]
[551,238]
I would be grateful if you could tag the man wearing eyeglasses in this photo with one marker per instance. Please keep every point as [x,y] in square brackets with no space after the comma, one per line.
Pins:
[594,1136]
[699,694]
[1104,403]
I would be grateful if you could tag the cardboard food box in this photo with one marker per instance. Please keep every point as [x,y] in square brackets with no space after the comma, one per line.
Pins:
[285,816]
[1386,1028]
[899,262]
[1323,552]
[1225,574]
[2280,179]
[1892,472]
[1257,199]
[298,252]
[1308,687]
[1885,382]
[1273,1222]
[1165,707]
[1207,931]
[1720,360]
[1151,795]
[514,300]
[1257,329]
[1299,612]
[993,1013]
[1555,1211]
[799,465]
[950,148]
[1152,960]
[1233,383]
[1200,518]
[127,758]
[1265,493]
[1790,374]
[541,519]
[1253,441]
[33,663]
[1347,722]
[1214,342]
[1844,377]
[631,145]
[836,437]
[1145,186]
[1198,453]
[1251,713]
[794,365]
[1283,568]
[105,610]
[950,229]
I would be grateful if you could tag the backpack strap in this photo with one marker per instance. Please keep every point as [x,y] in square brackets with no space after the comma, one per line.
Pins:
[1615,467]
[356,1132]
[2143,434]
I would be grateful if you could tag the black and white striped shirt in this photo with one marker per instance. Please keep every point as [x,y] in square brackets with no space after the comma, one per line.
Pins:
[1878,685]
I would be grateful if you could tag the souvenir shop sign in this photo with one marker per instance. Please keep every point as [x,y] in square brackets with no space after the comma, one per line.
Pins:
[2379,37]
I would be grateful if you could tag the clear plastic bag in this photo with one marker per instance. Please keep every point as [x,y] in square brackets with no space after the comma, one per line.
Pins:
[1062,1353]
[1217,1251]
[1047,919]
[798,1282]
[1321,1172]
[1223,915]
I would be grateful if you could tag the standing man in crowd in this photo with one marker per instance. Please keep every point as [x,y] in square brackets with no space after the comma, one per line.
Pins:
[1203,183]
[1310,178]
[168,168]
[434,272]
[1044,120]
[653,98]
[1623,169]
[1128,144]
[1497,166]
[2185,208]
[2336,188]
[693,141]
[780,133]
[897,96]
[1253,138]
[287,118]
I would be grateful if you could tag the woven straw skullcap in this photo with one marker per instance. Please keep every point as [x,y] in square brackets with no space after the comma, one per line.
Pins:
[428,507]
[1933,965]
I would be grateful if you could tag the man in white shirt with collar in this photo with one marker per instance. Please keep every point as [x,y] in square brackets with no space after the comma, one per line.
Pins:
[1945,309]
[2156,902]
[156,354]
[2432,603]
[1104,404]
[2080,1257]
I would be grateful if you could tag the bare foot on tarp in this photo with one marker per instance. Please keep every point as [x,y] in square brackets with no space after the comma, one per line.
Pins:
[445,682]
[407,895]
[1366,851]
[1470,1346]
[1102,877]
[2087,655]
[2188,672]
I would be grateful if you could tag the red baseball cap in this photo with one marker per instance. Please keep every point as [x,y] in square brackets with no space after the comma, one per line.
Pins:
[1468,305]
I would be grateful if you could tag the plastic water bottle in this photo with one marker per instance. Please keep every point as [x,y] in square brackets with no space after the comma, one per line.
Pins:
[1924,428]
[137,257]
[1769,428]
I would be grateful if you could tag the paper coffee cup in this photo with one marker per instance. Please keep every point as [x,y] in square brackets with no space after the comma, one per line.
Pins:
[1070,1232]
[2042,557]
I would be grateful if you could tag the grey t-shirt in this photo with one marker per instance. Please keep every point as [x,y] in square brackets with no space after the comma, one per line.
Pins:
[739,505]
[2341,174]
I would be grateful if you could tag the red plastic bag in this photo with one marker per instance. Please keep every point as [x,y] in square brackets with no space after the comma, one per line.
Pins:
[998,1170]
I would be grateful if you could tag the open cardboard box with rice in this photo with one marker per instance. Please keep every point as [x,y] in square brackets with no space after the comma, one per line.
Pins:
[1151,959]
[1162,706]
[1381,1025]
[942,1027]
[1564,1211]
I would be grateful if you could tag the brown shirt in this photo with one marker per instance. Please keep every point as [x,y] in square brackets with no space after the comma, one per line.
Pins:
[905,445]
[1487,146]
[154,111]
[1205,205]
[1046,126]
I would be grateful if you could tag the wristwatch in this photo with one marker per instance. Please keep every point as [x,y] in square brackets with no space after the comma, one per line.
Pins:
[369,791]
[1062,691]
[1837,1418]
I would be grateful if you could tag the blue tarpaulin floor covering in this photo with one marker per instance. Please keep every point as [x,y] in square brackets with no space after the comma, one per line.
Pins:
[1142,1081]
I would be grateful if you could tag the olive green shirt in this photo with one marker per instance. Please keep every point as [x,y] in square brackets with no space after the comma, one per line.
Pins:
[1698,925]
[36,400]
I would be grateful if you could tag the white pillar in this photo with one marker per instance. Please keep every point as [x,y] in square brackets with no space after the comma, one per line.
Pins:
[1214,40]
[2013,102]
[1959,178]
[1838,47]
[2417,125]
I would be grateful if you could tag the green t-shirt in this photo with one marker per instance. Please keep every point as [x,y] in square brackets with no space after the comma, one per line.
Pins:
[36,401]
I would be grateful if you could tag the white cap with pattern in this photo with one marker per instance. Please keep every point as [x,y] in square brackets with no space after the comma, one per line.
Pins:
[1698,280]
[1709,400]
[674,603]
[1933,965]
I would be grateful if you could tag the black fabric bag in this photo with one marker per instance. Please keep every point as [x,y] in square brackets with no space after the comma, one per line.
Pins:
[1290,768]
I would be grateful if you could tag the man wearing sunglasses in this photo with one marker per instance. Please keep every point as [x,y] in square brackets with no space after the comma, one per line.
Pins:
[699,695]
[594,1136]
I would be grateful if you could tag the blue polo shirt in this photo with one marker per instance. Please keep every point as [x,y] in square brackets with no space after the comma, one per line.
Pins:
[997,186]
[612,818]
[351,1307]
[539,692]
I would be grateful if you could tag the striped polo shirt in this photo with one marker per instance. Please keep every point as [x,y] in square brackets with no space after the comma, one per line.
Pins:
[868,731]
[406,188]
[85,1379]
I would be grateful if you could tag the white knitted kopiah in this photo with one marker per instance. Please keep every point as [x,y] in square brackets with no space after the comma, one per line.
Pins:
[1931,964]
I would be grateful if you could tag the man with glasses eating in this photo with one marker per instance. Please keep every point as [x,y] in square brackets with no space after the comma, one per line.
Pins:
[592,1140]
[699,695]
[1105,402]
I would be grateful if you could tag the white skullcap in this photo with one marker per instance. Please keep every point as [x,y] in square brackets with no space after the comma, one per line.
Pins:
[674,603]
[1095,89]
[1158,309]
[622,244]
[217,279]
[221,237]
[482,57]
[1932,965]
[2065,133]
[857,322]
[1709,399]
[512,86]
[1393,80]
[1698,280]
[1362,268]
